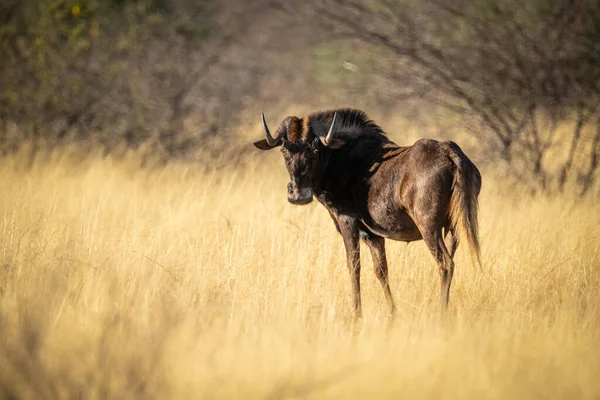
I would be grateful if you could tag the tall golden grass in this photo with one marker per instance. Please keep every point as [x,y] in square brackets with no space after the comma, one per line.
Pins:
[193,283]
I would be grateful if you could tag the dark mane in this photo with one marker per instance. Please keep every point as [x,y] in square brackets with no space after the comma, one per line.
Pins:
[350,123]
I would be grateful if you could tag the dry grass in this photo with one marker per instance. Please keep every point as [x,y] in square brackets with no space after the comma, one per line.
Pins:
[188,283]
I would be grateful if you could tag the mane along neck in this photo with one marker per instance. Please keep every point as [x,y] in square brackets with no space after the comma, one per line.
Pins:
[349,124]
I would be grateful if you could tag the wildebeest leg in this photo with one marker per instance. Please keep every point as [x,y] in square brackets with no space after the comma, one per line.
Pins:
[349,229]
[453,241]
[435,242]
[377,246]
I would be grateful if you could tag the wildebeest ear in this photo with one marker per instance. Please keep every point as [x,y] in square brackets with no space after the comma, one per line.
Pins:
[263,145]
[334,143]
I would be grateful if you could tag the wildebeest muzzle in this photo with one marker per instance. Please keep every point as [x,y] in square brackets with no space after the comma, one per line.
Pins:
[299,195]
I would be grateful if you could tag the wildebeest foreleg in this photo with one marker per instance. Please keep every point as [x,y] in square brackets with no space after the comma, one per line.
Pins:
[349,229]
[377,246]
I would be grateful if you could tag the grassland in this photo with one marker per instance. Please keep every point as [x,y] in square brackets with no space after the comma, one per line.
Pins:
[192,283]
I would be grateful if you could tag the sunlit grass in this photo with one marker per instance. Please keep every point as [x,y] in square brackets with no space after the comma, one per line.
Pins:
[184,282]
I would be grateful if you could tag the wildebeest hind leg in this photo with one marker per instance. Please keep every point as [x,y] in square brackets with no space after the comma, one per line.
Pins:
[453,242]
[435,242]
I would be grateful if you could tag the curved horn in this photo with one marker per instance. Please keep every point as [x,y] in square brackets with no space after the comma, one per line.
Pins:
[329,136]
[271,141]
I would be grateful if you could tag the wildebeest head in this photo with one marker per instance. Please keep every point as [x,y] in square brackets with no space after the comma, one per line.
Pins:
[301,146]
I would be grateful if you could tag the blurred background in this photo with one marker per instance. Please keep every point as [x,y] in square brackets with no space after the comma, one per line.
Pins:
[147,249]
[516,83]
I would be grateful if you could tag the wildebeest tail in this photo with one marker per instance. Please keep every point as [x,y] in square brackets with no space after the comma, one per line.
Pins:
[463,202]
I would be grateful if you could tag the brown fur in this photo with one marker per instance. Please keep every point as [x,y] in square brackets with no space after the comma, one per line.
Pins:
[295,130]
[374,189]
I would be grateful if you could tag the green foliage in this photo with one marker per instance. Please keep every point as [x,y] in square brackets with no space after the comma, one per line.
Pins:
[73,66]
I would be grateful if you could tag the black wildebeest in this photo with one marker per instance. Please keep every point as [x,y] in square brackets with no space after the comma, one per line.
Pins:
[375,189]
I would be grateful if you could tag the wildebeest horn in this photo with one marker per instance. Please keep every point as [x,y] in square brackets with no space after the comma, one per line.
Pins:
[271,141]
[329,136]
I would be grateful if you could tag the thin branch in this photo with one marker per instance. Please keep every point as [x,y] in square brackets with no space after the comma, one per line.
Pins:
[594,159]
[574,142]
